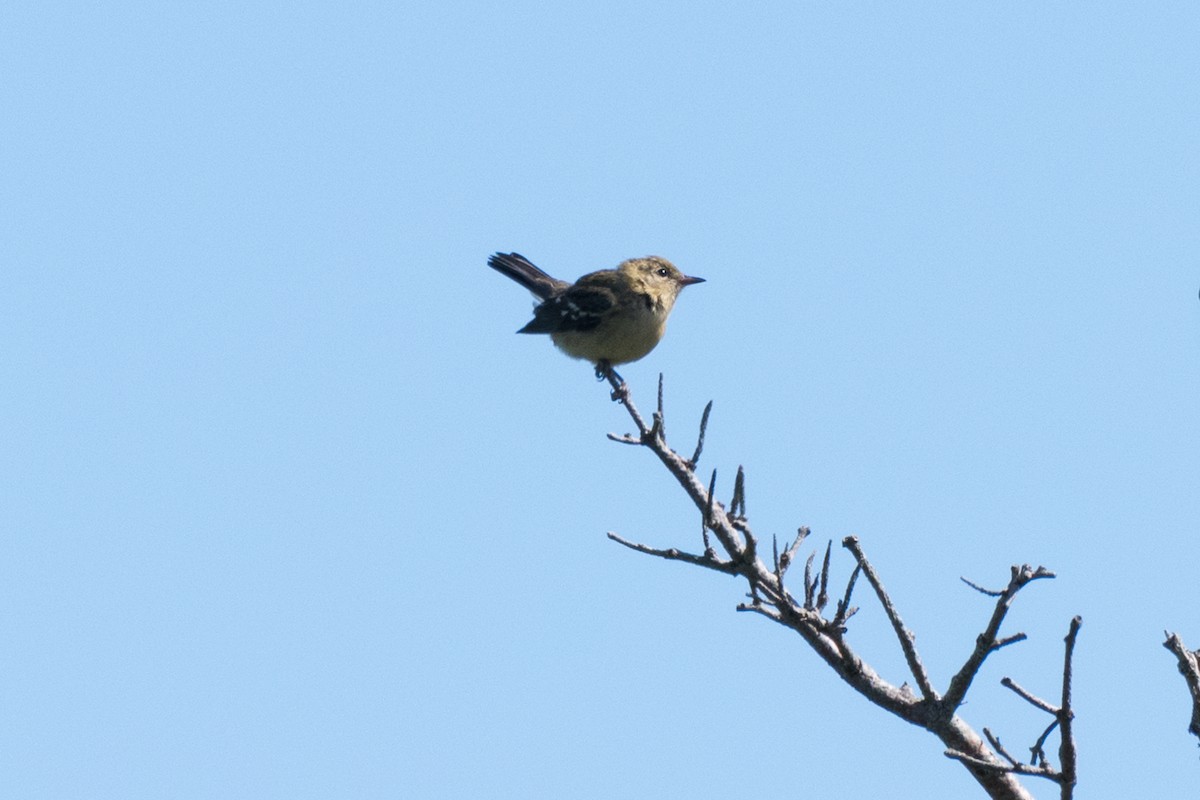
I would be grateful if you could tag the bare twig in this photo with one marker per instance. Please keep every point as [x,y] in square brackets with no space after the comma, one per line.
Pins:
[659,418]
[905,636]
[1028,696]
[980,589]
[625,438]
[1007,640]
[737,506]
[708,513]
[695,459]
[823,596]
[785,560]
[672,554]
[1014,769]
[1066,715]
[844,610]
[1037,753]
[759,608]
[994,741]
[810,585]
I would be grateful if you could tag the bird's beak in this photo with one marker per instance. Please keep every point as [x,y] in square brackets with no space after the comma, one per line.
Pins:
[687,280]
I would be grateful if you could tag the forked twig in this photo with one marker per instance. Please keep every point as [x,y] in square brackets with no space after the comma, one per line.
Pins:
[1062,720]
[987,642]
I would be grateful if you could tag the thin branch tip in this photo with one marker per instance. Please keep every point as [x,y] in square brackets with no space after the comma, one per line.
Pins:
[695,459]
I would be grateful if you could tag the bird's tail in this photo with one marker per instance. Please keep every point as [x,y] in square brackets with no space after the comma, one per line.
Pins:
[522,270]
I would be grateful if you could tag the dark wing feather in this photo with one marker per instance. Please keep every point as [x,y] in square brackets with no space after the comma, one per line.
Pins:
[580,308]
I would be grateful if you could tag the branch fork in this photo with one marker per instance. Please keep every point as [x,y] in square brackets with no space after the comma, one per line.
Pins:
[736,552]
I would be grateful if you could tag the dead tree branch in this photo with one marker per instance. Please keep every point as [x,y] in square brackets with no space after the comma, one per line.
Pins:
[992,767]
[987,642]
[1063,718]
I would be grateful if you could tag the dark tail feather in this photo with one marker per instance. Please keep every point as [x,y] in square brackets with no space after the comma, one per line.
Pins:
[522,270]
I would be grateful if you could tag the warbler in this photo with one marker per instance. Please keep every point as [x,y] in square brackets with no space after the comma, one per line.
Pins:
[609,317]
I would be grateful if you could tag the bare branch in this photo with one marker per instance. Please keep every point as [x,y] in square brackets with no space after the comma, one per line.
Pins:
[1189,668]
[712,490]
[1062,720]
[769,597]
[980,589]
[844,611]
[672,554]
[1066,715]
[1037,753]
[979,763]
[737,506]
[781,561]
[1007,640]
[986,643]
[785,560]
[659,418]
[1028,696]
[1015,769]
[810,585]
[994,741]
[695,459]
[823,596]
[625,438]
[758,608]
[905,636]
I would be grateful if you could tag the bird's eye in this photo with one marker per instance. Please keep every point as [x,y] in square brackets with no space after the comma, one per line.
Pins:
[662,272]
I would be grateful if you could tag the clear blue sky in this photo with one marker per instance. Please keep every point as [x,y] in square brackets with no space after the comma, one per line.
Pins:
[289,511]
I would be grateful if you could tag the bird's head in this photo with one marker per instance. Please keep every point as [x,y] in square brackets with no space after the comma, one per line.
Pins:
[661,279]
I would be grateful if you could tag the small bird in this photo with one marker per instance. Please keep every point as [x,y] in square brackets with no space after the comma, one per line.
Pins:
[609,317]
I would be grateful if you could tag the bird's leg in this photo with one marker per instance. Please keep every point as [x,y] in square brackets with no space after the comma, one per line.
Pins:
[605,372]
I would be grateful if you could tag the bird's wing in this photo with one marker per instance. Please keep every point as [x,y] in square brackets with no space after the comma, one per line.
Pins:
[580,308]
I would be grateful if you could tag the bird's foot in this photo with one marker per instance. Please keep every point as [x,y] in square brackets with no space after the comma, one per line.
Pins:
[605,372]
